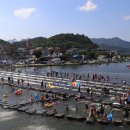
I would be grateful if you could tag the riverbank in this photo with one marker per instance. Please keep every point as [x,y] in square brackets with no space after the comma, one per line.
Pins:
[65,64]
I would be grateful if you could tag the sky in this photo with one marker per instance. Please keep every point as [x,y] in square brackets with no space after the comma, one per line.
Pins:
[20,19]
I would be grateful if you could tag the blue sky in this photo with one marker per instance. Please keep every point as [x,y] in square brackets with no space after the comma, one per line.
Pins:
[93,18]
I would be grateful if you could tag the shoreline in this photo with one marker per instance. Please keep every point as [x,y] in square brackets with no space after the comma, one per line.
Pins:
[67,64]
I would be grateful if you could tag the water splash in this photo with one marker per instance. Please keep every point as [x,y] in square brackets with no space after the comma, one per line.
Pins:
[7,115]
[37,128]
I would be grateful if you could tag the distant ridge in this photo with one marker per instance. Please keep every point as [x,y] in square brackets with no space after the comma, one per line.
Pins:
[112,42]
[69,40]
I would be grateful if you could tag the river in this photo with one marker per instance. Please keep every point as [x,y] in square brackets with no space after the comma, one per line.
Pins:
[12,120]
[117,71]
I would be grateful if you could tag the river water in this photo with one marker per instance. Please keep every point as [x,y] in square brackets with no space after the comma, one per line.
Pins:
[12,120]
[116,71]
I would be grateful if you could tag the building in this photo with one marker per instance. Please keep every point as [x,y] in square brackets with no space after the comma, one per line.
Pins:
[24,53]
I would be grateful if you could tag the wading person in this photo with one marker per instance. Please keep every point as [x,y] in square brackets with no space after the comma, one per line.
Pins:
[101,111]
[66,108]
[42,84]
[18,82]
[22,82]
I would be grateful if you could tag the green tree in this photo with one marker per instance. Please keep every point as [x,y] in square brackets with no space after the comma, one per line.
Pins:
[37,53]
[93,55]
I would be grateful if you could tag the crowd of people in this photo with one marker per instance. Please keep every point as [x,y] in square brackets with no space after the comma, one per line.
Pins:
[50,99]
[74,76]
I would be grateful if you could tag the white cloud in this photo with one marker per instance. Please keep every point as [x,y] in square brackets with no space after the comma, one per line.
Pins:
[89,6]
[127,17]
[24,12]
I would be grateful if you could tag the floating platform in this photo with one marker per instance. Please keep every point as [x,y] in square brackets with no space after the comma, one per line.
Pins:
[22,109]
[127,121]
[24,103]
[50,113]
[5,105]
[15,107]
[105,122]
[90,120]
[30,111]
[117,122]
[60,115]
[75,117]
[40,112]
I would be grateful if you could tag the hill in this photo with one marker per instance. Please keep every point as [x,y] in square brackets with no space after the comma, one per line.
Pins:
[112,43]
[33,43]
[65,41]
[71,40]
[6,49]
[3,43]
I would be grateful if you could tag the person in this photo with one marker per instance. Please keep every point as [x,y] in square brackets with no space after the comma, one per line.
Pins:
[18,82]
[91,92]
[120,100]
[12,88]
[9,79]
[67,108]
[45,85]
[94,109]
[105,117]
[78,96]
[28,85]
[55,111]
[79,89]
[42,98]
[92,112]
[42,84]
[86,106]
[12,80]
[101,111]
[64,96]
[124,82]
[76,107]
[22,82]
[88,90]
[104,90]
[128,100]
[2,79]
[47,96]
[109,117]
[31,98]
[36,97]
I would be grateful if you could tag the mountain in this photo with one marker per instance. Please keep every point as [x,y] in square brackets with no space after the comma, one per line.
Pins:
[33,43]
[3,43]
[6,49]
[112,43]
[65,41]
